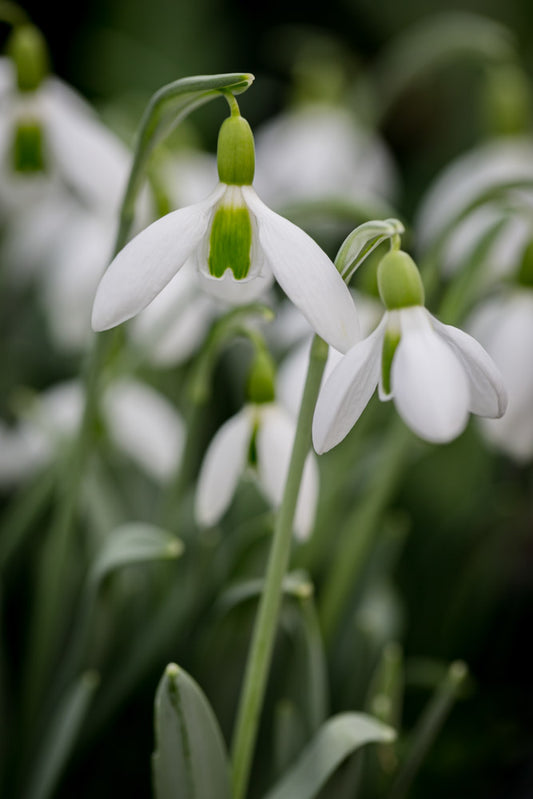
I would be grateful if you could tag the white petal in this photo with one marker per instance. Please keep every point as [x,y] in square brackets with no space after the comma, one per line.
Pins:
[275,438]
[23,450]
[223,464]
[292,374]
[145,426]
[345,394]
[147,263]
[429,384]
[488,396]
[235,292]
[306,275]
[90,158]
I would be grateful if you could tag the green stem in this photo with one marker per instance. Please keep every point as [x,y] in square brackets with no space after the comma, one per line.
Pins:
[267,617]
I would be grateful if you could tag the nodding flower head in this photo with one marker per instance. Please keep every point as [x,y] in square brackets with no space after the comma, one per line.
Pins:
[237,245]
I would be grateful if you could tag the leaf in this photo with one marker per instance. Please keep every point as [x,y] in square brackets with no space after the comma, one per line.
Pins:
[364,240]
[339,737]
[134,543]
[61,736]
[190,761]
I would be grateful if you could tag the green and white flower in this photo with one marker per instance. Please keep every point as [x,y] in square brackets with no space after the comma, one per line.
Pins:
[238,245]
[435,373]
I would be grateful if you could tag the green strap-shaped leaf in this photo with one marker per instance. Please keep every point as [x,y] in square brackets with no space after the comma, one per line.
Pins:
[61,736]
[134,543]
[339,737]
[190,761]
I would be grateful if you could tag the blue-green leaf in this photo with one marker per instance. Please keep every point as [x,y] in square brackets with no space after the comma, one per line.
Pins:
[190,761]
[339,737]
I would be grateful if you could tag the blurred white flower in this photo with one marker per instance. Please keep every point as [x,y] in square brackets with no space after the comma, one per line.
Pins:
[260,436]
[504,325]
[79,152]
[231,220]
[138,420]
[504,162]
[319,150]
[438,374]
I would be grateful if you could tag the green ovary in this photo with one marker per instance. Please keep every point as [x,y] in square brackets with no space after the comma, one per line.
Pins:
[28,148]
[230,242]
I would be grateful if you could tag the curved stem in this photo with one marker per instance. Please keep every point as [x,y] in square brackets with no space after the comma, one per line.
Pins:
[260,654]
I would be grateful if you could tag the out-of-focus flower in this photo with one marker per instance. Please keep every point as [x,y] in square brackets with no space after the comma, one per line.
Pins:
[74,149]
[435,373]
[504,325]
[505,162]
[237,245]
[319,150]
[260,436]
[138,420]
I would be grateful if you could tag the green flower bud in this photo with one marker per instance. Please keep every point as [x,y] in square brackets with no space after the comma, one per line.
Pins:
[235,152]
[399,281]
[230,240]
[27,48]
[261,379]
[525,272]
[28,147]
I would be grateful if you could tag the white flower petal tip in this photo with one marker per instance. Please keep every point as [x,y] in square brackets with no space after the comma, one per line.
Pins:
[345,394]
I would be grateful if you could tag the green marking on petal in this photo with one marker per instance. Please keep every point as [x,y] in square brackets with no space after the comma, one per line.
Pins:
[390,343]
[230,242]
[252,450]
[28,147]
[525,272]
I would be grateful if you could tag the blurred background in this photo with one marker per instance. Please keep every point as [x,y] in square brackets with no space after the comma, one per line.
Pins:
[465,573]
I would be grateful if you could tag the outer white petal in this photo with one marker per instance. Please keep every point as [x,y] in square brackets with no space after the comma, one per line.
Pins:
[148,262]
[224,462]
[145,426]
[275,438]
[292,373]
[429,384]
[488,396]
[345,394]
[90,158]
[173,325]
[306,275]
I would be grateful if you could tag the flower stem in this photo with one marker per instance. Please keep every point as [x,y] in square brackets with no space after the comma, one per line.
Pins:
[260,654]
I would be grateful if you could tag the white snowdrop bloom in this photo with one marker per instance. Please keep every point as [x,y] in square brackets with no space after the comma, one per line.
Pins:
[504,325]
[320,150]
[435,373]
[138,420]
[260,436]
[69,146]
[505,161]
[237,245]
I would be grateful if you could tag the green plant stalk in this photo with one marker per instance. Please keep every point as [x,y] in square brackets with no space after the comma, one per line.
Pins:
[265,626]
[160,118]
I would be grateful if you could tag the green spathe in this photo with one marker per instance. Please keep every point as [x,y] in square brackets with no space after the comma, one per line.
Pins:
[230,241]
[236,152]
[399,281]
[27,48]
[28,147]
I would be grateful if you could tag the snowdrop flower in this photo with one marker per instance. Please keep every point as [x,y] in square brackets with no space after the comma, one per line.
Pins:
[504,325]
[320,150]
[237,245]
[50,136]
[258,438]
[139,422]
[435,373]
[502,162]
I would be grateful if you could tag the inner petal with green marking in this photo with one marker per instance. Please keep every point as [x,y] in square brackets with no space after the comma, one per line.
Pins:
[230,242]
[28,147]
[390,344]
